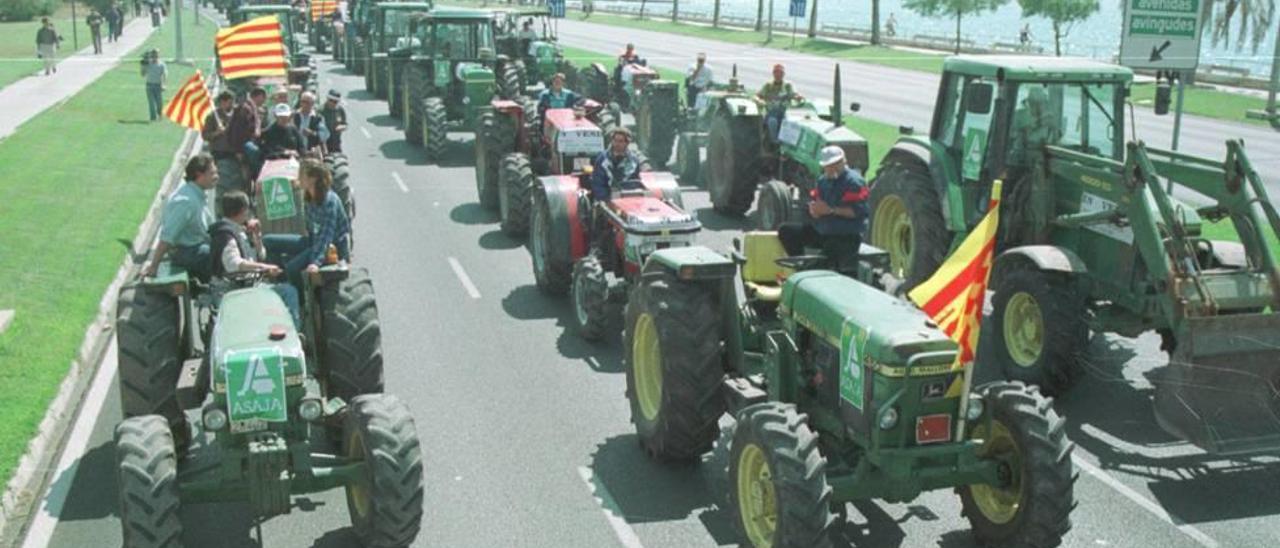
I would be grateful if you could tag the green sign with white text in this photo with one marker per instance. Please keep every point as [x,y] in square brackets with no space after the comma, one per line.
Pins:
[278,193]
[1161,34]
[255,385]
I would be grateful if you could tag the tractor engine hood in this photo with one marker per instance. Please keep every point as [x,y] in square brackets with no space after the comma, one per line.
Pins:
[473,72]
[573,134]
[254,323]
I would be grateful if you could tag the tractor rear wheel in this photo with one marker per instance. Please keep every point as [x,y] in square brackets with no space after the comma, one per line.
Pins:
[147,471]
[672,347]
[385,505]
[339,168]
[595,84]
[610,117]
[381,75]
[774,207]
[514,194]
[495,138]
[1040,330]
[523,73]
[415,82]
[656,125]
[906,221]
[358,55]
[553,277]
[1029,439]
[352,357]
[395,91]
[370,76]
[688,160]
[733,155]
[590,298]
[147,334]
[778,491]
[509,81]
[435,127]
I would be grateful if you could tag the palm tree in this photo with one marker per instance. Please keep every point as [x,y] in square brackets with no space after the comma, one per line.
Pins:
[813,19]
[1253,17]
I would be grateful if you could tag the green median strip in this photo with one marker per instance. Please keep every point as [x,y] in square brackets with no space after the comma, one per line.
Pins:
[74,179]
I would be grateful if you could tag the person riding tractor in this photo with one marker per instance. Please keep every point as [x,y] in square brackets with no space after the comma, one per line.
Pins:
[617,167]
[557,96]
[838,212]
[775,96]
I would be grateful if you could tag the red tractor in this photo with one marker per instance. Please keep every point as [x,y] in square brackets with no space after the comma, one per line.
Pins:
[595,250]
[513,149]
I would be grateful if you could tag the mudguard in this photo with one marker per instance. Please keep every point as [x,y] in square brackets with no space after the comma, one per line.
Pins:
[1042,257]
[570,218]
[663,185]
[741,106]
[693,262]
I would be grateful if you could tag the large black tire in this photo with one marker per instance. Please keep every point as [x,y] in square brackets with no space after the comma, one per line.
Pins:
[906,221]
[435,128]
[381,76]
[1038,319]
[672,349]
[590,299]
[416,83]
[352,336]
[509,81]
[496,137]
[1031,439]
[523,73]
[656,126]
[149,342]
[339,168]
[395,89]
[594,84]
[552,277]
[774,206]
[776,436]
[610,117]
[147,472]
[360,59]
[688,160]
[733,155]
[386,506]
[370,76]
[515,193]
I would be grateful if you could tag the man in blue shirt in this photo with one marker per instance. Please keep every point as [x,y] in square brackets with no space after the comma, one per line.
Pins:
[616,167]
[557,96]
[839,214]
[185,220]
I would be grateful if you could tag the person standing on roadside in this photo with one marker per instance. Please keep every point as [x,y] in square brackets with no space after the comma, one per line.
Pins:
[137,8]
[95,30]
[119,22]
[156,74]
[155,15]
[47,46]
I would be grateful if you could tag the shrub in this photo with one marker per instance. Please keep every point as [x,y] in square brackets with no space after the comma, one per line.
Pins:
[25,10]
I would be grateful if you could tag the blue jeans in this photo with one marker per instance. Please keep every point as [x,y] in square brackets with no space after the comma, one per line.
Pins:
[287,251]
[197,260]
[289,294]
[155,101]
[773,121]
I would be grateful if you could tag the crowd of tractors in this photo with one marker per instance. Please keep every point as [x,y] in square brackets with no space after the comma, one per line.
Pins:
[836,388]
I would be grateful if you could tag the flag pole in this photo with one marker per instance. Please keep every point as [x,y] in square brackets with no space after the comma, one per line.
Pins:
[967,385]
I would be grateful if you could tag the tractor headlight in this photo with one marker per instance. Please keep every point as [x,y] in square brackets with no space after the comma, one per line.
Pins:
[889,418]
[466,100]
[310,409]
[215,419]
[975,410]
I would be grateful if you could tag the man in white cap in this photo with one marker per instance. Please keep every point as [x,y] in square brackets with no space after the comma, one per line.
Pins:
[283,139]
[838,207]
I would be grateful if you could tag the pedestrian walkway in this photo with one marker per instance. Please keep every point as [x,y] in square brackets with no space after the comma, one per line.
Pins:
[30,96]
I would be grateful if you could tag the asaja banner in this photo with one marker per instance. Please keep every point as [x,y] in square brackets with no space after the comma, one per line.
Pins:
[255,385]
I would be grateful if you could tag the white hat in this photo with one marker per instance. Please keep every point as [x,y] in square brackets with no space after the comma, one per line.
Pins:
[282,109]
[830,155]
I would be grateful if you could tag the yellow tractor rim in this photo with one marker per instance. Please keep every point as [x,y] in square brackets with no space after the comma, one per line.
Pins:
[646,360]
[891,231]
[999,504]
[757,502]
[358,491]
[1023,329]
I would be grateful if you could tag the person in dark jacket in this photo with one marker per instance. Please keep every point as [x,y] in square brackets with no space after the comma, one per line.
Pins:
[95,30]
[283,139]
[236,246]
[838,208]
[617,167]
[310,123]
[335,118]
[47,41]
[242,132]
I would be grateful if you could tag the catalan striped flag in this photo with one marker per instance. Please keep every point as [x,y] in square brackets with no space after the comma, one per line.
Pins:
[322,8]
[252,48]
[953,296]
[190,105]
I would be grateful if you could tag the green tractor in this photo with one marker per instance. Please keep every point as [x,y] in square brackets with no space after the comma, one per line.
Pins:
[840,393]
[1098,235]
[740,154]
[448,78]
[529,61]
[225,401]
[662,120]
[356,34]
[390,35]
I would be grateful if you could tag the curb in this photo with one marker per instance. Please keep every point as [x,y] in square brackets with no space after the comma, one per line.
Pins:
[31,477]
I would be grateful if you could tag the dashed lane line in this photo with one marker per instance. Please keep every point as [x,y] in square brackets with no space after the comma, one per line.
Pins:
[464,278]
[365,131]
[399,182]
[1145,503]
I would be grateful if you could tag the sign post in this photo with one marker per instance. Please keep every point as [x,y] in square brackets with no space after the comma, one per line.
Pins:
[1163,35]
[796,11]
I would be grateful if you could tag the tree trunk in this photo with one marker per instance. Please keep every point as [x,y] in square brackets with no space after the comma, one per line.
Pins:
[957,32]
[759,15]
[642,3]
[715,15]
[875,22]
[813,19]
[675,10]
[1057,39]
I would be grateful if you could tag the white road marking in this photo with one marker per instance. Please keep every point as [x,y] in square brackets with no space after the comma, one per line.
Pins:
[366,133]
[626,535]
[399,182]
[462,277]
[1146,504]
[54,499]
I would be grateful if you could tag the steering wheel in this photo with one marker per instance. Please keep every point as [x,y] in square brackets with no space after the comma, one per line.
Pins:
[245,277]
[801,262]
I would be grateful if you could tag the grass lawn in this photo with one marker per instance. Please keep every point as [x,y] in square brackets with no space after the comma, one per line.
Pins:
[74,178]
[1205,102]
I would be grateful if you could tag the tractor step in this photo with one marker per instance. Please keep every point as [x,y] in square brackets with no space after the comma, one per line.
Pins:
[739,393]
[188,390]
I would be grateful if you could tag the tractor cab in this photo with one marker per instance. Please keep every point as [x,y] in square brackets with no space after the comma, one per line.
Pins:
[539,53]
[458,46]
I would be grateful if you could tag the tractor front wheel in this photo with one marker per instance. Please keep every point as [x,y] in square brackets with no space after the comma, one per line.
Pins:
[553,277]
[1032,506]
[147,335]
[672,347]
[147,471]
[395,99]
[352,357]
[1039,327]
[516,183]
[590,298]
[906,221]
[435,130]
[778,491]
[733,155]
[495,137]
[509,81]
[774,206]
[386,504]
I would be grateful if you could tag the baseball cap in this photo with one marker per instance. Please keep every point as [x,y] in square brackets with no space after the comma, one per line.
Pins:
[282,109]
[830,155]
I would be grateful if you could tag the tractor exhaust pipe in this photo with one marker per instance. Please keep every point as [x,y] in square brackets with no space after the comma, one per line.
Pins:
[836,117]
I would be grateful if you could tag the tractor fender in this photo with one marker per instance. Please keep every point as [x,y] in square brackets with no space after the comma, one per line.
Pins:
[570,214]
[663,185]
[741,106]
[600,69]
[910,152]
[1047,258]
[691,263]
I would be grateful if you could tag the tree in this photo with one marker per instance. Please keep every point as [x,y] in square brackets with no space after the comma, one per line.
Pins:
[759,15]
[813,19]
[958,8]
[1064,14]
[1254,20]
[875,22]
[715,15]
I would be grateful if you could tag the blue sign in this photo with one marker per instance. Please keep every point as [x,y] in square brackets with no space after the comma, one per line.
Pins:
[797,8]
[556,7]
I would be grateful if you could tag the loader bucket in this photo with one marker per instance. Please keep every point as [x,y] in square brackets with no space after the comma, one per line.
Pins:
[1221,390]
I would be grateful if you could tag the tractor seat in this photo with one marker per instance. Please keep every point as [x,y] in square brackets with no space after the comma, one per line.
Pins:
[761,274]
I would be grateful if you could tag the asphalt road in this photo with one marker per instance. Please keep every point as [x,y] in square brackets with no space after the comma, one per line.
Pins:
[897,96]
[526,430]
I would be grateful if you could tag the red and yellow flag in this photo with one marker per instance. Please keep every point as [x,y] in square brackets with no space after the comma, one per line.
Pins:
[322,8]
[252,48]
[954,295]
[190,105]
